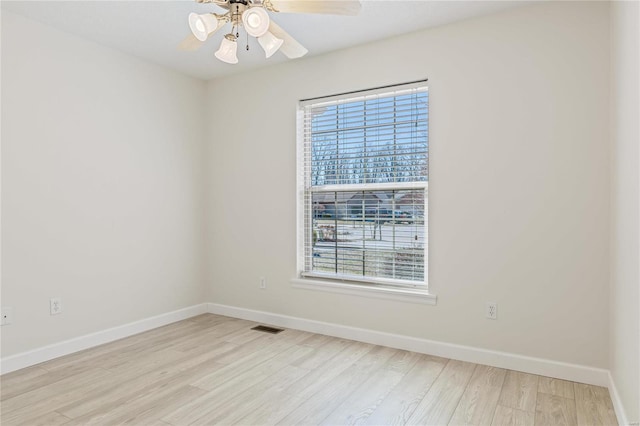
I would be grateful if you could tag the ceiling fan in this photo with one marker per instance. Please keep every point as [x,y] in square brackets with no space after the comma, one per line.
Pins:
[253,16]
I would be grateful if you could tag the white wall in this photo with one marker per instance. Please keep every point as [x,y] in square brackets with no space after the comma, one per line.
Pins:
[103,183]
[625,279]
[102,178]
[519,184]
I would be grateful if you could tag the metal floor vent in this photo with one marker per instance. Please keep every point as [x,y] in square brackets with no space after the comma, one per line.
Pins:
[266,329]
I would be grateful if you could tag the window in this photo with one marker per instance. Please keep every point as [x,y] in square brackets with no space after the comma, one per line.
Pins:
[363,186]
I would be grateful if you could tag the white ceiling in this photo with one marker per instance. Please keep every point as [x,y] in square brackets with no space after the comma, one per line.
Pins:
[152,30]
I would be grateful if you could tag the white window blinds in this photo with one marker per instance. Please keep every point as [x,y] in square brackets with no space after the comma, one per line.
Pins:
[364,171]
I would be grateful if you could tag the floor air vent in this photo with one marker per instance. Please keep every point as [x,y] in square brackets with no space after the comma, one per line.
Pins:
[266,329]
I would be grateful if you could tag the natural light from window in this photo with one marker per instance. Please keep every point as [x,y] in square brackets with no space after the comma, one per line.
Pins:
[364,167]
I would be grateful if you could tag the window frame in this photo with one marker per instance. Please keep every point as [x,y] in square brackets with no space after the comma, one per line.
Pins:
[375,286]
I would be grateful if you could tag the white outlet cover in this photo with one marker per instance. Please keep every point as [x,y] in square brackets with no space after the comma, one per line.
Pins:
[7,315]
[55,305]
[491,310]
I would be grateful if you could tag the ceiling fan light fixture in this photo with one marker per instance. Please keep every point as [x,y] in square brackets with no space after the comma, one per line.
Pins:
[270,43]
[255,21]
[202,25]
[228,50]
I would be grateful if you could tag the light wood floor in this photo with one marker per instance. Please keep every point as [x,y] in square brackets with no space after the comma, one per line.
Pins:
[215,370]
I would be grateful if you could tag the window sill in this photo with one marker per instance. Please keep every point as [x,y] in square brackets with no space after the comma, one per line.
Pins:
[397,294]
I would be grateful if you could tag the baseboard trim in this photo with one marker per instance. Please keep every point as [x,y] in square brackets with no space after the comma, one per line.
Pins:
[617,403]
[46,353]
[540,366]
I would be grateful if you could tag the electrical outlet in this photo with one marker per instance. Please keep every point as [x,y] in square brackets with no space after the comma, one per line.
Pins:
[263,283]
[55,306]
[492,310]
[7,315]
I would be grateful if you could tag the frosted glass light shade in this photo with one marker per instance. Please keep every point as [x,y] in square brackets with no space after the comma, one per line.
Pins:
[202,25]
[228,50]
[255,21]
[270,43]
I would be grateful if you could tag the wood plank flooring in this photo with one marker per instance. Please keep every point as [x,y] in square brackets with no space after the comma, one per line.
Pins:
[215,370]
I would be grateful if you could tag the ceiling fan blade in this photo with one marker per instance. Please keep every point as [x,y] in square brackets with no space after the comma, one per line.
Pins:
[330,7]
[190,43]
[223,3]
[290,48]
